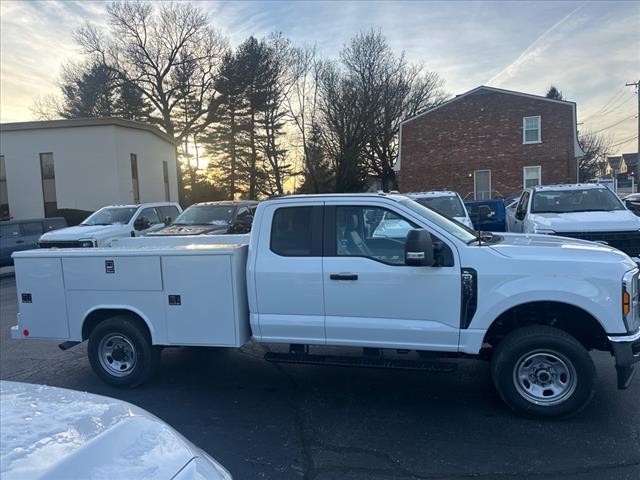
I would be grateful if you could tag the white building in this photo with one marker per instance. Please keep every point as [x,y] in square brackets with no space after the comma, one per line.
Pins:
[83,164]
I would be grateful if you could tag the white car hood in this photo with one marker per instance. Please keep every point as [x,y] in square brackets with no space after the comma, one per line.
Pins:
[615,220]
[81,232]
[551,247]
[50,432]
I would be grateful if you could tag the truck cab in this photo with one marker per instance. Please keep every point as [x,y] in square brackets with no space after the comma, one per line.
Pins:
[111,222]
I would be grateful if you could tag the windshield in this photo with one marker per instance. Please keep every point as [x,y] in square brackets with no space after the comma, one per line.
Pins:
[449,205]
[570,201]
[206,215]
[110,215]
[454,228]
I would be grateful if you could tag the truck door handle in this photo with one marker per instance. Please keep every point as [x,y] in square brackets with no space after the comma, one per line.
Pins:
[339,276]
[19,241]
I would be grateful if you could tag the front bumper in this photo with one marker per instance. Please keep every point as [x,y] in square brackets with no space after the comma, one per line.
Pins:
[626,350]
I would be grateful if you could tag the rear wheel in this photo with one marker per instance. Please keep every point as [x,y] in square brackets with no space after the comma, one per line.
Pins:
[543,372]
[121,353]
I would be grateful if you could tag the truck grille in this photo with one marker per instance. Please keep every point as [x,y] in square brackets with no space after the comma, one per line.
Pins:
[628,242]
[59,244]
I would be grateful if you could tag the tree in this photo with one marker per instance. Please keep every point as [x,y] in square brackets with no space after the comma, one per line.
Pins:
[596,147]
[88,91]
[130,104]
[301,100]
[317,172]
[554,93]
[226,140]
[345,111]
[153,49]
[392,90]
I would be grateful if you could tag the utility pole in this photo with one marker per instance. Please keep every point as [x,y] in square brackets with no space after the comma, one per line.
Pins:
[637,85]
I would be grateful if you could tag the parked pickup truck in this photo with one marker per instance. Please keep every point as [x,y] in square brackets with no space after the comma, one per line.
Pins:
[114,221]
[585,211]
[317,271]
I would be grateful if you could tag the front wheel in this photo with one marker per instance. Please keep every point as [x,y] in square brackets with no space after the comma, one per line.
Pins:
[542,371]
[120,353]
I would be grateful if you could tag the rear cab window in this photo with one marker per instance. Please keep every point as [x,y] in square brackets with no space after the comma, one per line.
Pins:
[32,228]
[168,212]
[297,231]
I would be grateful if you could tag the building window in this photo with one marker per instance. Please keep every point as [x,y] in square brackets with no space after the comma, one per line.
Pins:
[134,178]
[531,130]
[48,174]
[165,174]
[482,184]
[4,194]
[532,176]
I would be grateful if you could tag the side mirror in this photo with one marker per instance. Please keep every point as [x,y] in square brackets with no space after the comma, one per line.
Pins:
[141,224]
[418,249]
[167,220]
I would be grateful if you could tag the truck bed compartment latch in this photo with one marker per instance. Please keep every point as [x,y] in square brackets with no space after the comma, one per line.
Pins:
[175,300]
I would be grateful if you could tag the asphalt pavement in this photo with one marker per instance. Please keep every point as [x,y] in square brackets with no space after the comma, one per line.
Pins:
[265,421]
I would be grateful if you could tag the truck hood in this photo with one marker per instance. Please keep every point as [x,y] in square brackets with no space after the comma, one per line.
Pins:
[613,221]
[190,230]
[550,247]
[50,432]
[89,231]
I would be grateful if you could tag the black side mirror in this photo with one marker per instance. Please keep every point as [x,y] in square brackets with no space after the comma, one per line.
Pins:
[418,249]
[484,211]
[141,224]
[167,220]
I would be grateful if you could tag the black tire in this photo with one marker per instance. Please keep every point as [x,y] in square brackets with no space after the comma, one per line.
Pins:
[529,359]
[121,334]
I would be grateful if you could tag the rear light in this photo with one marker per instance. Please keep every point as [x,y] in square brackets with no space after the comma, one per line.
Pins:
[25,332]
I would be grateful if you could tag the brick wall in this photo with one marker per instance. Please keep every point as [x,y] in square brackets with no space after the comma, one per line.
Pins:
[442,149]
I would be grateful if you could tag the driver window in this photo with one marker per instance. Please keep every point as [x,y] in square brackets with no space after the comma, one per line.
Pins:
[372,232]
[150,214]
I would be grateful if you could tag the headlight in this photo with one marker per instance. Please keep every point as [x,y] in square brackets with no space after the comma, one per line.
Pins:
[87,242]
[630,308]
[543,231]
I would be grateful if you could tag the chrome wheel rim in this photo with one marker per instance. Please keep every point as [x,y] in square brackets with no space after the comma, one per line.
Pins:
[117,355]
[544,377]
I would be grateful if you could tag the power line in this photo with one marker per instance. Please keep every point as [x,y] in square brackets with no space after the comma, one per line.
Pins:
[625,141]
[615,124]
[618,92]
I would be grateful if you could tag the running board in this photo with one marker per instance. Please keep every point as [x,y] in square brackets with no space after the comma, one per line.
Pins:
[367,362]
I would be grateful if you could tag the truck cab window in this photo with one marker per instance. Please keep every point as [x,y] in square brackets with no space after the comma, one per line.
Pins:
[371,232]
[291,232]
[149,214]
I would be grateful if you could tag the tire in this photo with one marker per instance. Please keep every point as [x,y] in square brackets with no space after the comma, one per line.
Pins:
[543,372]
[121,354]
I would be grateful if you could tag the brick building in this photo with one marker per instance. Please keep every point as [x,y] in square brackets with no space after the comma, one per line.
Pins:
[489,143]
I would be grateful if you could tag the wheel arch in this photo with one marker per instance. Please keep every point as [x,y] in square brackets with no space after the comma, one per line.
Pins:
[570,318]
[103,312]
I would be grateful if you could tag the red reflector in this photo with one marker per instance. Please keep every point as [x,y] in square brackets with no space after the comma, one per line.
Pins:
[25,332]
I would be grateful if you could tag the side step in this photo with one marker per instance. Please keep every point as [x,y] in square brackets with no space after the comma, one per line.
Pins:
[368,362]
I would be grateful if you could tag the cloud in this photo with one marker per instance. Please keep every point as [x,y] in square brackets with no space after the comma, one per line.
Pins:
[587,49]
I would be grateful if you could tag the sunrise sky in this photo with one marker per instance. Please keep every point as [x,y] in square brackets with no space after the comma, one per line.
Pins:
[589,50]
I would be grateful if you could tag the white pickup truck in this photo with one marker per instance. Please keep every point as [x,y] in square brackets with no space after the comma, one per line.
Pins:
[317,271]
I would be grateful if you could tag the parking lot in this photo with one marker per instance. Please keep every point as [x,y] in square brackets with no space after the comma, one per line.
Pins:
[313,422]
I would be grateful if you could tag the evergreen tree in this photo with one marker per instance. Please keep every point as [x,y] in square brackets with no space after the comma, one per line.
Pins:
[131,105]
[88,91]
[227,140]
[554,93]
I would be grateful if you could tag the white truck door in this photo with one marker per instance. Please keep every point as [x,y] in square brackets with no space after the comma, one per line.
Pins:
[371,297]
[288,275]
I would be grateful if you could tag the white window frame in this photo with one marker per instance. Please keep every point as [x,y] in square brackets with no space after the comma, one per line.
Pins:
[524,130]
[524,175]
[475,189]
